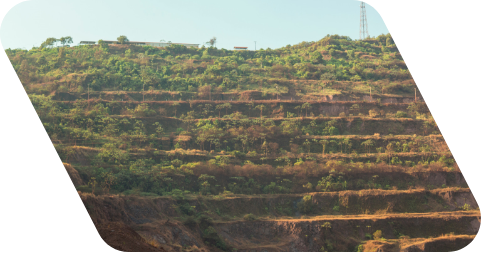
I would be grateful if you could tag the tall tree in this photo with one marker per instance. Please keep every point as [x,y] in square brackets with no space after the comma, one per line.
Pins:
[390,149]
[189,119]
[159,130]
[324,144]
[347,143]
[251,105]
[306,106]
[307,144]
[122,39]
[260,108]
[367,145]
[219,108]
[226,106]
[48,42]
[66,40]
[207,110]
[175,105]
[265,148]
[212,42]
[298,108]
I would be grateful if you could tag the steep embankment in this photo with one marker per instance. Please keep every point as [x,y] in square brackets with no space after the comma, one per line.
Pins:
[277,225]
[344,232]
[73,174]
[121,237]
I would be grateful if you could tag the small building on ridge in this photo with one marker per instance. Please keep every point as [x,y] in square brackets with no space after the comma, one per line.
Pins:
[142,43]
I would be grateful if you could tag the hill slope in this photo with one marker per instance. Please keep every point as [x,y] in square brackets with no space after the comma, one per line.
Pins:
[320,146]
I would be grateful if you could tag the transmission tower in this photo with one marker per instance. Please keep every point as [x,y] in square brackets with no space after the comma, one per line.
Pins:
[363,32]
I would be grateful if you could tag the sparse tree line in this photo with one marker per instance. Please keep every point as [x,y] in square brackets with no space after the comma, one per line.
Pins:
[51,42]
[177,68]
[216,177]
[198,109]
[256,135]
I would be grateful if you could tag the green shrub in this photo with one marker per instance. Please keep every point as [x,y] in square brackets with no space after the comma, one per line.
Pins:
[401,114]
[329,246]
[238,154]
[396,160]
[250,217]
[377,235]
[359,248]
[368,236]
[205,220]
[305,205]
[211,237]
[142,110]
[190,222]
[187,209]
[177,194]
[299,161]
[373,113]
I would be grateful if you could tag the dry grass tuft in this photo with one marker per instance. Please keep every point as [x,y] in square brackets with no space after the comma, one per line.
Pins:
[151,241]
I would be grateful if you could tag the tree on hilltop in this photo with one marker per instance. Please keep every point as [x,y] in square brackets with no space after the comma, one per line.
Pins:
[66,40]
[316,58]
[212,42]
[48,42]
[122,39]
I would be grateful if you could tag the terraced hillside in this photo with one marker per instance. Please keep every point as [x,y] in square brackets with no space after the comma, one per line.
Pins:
[320,146]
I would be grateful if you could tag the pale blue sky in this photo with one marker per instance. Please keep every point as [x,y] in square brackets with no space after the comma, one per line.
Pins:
[272,23]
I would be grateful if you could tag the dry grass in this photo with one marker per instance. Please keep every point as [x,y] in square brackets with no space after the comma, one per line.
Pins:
[432,215]
[312,100]
[151,241]
[367,137]
[311,169]
[408,242]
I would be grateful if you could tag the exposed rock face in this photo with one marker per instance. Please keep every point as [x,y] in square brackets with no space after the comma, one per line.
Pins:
[459,199]
[312,235]
[363,212]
